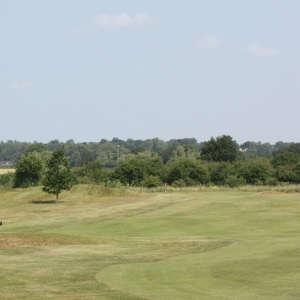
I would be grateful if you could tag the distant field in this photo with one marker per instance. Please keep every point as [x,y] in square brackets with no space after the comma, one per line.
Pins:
[4,171]
[115,244]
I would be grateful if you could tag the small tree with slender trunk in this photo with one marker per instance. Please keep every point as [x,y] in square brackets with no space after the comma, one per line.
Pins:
[58,175]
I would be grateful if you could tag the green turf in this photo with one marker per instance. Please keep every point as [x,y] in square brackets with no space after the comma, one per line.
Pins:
[118,244]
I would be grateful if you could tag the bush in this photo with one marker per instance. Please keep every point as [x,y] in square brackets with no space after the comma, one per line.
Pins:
[151,181]
[286,174]
[285,159]
[234,181]
[191,171]
[255,171]
[179,183]
[220,171]
[7,179]
[29,171]
[133,169]
[113,184]
[91,173]
[273,182]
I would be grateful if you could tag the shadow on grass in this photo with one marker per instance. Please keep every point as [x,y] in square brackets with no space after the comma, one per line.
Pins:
[45,202]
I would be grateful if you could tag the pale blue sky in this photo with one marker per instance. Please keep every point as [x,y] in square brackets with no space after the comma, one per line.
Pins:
[87,70]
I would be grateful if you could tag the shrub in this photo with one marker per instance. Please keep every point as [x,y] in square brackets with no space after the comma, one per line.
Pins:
[179,183]
[220,171]
[7,179]
[255,171]
[133,169]
[113,184]
[29,171]
[151,181]
[285,159]
[91,173]
[286,174]
[234,181]
[190,170]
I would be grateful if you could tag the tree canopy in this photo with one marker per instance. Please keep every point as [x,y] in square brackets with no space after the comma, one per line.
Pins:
[223,148]
[28,171]
[134,168]
[58,176]
[188,170]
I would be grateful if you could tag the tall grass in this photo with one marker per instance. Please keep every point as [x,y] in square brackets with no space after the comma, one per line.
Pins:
[282,188]
[6,170]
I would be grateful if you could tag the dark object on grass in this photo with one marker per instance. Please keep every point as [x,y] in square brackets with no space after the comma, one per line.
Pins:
[0,223]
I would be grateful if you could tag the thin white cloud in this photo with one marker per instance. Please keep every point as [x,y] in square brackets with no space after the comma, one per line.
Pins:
[123,20]
[117,21]
[207,43]
[21,85]
[257,50]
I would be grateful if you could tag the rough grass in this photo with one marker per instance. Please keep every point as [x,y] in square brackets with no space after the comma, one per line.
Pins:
[5,171]
[100,243]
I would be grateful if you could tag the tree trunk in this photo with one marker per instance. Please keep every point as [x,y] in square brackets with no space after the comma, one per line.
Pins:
[57,198]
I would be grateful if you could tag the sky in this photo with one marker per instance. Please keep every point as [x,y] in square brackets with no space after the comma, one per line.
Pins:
[89,70]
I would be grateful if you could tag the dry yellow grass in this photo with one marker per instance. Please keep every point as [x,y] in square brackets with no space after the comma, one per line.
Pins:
[4,171]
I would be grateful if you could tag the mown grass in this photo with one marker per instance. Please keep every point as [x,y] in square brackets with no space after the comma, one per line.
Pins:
[100,243]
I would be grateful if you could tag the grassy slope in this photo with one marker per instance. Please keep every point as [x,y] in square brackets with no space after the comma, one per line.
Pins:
[103,244]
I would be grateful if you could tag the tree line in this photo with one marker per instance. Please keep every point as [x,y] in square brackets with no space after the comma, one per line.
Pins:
[107,152]
[219,161]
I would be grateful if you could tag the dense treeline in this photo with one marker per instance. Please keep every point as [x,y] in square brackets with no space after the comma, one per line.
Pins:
[151,163]
[104,151]
[107,152]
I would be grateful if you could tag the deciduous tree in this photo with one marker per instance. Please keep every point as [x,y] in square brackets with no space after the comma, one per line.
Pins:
[58,175]
[223,148]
